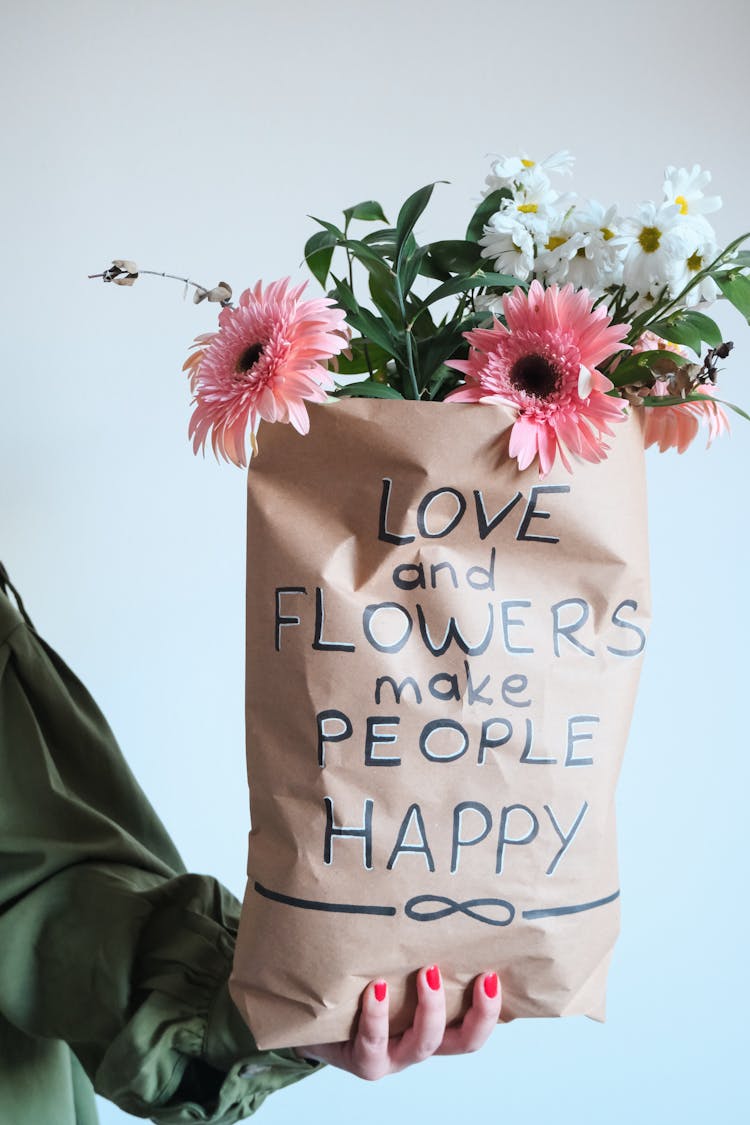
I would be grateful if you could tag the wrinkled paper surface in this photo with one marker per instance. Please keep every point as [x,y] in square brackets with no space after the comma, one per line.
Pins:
[442,658]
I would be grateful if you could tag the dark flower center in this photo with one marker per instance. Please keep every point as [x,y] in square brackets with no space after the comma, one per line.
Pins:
[248,358]
[535,375]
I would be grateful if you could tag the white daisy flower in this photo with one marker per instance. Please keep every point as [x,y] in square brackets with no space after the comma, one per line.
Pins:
[656,241]
[564,242]
[535,204]
[510,244]
[485,302]
[701,249]
[644,302]
[685,189]
[599,264]
[584,248]
[508,171]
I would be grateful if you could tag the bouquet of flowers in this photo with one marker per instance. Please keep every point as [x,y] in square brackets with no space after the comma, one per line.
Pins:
[583,315]
[443,652]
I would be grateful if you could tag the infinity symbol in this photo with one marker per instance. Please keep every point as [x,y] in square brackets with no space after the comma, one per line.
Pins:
[452,907]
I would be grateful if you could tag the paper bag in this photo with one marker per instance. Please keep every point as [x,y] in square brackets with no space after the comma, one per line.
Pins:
[442,658]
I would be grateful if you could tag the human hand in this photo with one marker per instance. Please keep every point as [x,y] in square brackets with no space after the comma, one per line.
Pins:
[371,1054]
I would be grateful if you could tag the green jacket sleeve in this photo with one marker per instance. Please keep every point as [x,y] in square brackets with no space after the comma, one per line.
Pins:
[106,942]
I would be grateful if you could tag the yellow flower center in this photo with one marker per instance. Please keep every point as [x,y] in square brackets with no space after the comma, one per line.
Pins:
[695,262]
[555,241]
[607,233]
[649,238]
[529,208]
[682,203]
[528,163]
[581,252]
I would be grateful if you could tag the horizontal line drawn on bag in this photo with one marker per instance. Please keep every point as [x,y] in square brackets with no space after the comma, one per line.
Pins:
[450,906]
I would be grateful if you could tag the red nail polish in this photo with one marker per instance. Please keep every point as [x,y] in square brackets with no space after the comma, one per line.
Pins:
[490,985]
[433,977]
[380,990]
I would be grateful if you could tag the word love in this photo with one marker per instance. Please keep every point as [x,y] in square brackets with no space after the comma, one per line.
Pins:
[518,826]
[432,522]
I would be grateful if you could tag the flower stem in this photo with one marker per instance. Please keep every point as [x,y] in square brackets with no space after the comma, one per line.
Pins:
[349,260]
[414,385]
[174,277]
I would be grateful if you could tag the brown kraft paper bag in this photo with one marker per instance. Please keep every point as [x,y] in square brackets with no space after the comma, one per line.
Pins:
[442,659]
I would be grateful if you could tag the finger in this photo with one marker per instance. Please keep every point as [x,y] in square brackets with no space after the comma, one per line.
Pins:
[480,1020]
[370,1048]
[425,1035]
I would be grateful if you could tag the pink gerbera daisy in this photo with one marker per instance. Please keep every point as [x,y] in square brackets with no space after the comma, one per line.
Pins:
[268,356]
[675,427]
[543,365]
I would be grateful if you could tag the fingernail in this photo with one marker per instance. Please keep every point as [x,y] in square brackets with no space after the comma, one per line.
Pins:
[433,977]
[380,989]
[490,985]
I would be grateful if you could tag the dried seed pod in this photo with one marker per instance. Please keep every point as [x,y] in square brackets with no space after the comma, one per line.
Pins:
[122,272]
[664,365]
[632,396]
[681,383]
[221,292]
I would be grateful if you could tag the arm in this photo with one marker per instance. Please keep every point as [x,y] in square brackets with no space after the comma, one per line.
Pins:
[107,943]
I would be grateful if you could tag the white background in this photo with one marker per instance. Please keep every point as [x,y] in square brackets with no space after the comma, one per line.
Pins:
[196,138]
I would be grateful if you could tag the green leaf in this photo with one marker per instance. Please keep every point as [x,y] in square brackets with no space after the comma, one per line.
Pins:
[319,252]
[410,212]
[384,241]
[737,409]
[362,350]
[436,349]
[385,236]
[368,389]
[365,254]
[479,280]
[678,330]
[486,209]
[382,280]
[385,298]
[370,212]
[330,227]
[473,320]
[635,367]
[366,322]
[422,324]
[377,330]
[344,295]
[443,381]
[736,288]
[679,400]
[688,327]
[741,259]
[453,256]
[409,268]
[708,329]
